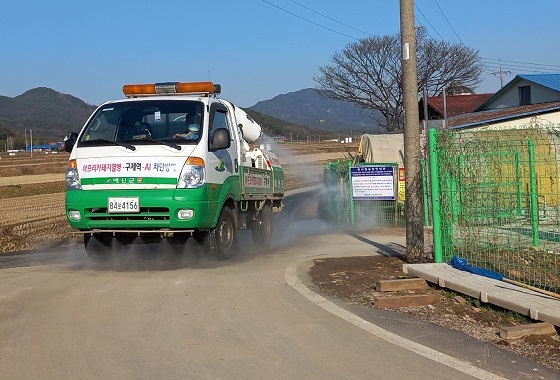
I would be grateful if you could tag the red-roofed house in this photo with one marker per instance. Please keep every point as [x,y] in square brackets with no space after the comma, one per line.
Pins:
[455,105]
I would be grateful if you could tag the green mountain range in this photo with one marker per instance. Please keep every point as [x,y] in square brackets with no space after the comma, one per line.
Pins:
[48,113]
[51,115]
[307,107]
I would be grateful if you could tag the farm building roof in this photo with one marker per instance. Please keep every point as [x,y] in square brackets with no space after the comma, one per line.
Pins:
[476,119]
[455,104]
[548,80]
[53,145]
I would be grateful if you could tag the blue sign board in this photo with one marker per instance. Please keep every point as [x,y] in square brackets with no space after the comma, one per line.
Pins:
[373,182]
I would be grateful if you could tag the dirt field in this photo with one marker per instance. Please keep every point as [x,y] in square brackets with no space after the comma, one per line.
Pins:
[32,201]
[31,179]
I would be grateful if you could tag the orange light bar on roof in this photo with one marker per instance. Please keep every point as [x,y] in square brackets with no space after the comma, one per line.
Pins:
[139,89]
[171,88]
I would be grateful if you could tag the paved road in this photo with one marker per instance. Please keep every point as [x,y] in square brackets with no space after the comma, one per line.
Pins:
[146,316]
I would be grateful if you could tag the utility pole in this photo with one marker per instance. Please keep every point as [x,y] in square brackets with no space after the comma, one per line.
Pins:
[501,76]
[412,156]
[502,73]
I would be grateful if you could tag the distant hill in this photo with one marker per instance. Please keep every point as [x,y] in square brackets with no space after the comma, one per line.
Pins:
[307,107]
[47,112]
[273,127]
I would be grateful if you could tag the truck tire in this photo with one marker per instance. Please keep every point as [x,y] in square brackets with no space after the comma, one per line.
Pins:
[98,247]
[220,241]
[262,227]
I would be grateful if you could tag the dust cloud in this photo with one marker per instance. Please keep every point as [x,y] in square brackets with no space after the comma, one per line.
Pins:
[300,218]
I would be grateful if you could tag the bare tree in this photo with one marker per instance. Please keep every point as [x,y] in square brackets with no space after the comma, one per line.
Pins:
[369,73]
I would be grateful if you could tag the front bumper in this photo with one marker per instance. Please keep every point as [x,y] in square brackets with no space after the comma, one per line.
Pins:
[159,210]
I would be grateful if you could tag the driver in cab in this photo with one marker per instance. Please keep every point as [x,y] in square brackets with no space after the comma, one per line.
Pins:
[193,129]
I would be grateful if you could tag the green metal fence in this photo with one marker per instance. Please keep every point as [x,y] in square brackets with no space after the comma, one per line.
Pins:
[495,198]
[338,205]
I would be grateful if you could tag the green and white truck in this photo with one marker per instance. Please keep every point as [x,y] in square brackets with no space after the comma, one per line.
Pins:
[139,168]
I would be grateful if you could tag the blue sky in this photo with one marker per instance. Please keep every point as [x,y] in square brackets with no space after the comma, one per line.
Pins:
[255,50]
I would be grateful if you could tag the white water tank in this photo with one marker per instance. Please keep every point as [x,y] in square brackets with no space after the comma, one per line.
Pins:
[251,130]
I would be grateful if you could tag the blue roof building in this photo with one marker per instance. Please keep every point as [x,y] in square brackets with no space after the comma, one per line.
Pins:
[524,90]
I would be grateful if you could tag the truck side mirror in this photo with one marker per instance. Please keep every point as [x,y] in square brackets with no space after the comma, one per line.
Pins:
[69,141]
[220,139]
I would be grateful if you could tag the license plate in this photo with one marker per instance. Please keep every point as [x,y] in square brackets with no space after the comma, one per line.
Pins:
[123,204]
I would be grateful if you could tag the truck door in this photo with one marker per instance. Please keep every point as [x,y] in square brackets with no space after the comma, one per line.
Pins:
[222,168]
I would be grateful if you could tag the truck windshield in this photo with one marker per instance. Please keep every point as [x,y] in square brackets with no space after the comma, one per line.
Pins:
[145,122]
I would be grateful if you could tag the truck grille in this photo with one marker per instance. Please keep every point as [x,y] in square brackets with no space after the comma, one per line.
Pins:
[146,213]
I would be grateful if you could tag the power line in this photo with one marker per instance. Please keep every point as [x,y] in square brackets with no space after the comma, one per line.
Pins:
[330,18]
[497,64]
[525,71]
[529,67]
[312,22]
[520,68]
[435,30]
[445,17]
[501,62]
[523,63]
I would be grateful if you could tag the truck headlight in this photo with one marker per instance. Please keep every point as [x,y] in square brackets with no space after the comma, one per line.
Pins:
[74,215]
[72,176]
[185,214]
[192,175]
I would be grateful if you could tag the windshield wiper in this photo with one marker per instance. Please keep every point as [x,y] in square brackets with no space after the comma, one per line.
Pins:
[127,146]
[171,145]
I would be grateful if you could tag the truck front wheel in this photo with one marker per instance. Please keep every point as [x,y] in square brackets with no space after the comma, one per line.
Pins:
[262,227]
[220,241]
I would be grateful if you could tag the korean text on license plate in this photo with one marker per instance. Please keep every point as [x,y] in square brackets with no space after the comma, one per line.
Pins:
[123,204]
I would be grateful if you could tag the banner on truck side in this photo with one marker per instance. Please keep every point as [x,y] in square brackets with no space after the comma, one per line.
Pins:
[256,180]
[133,171]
